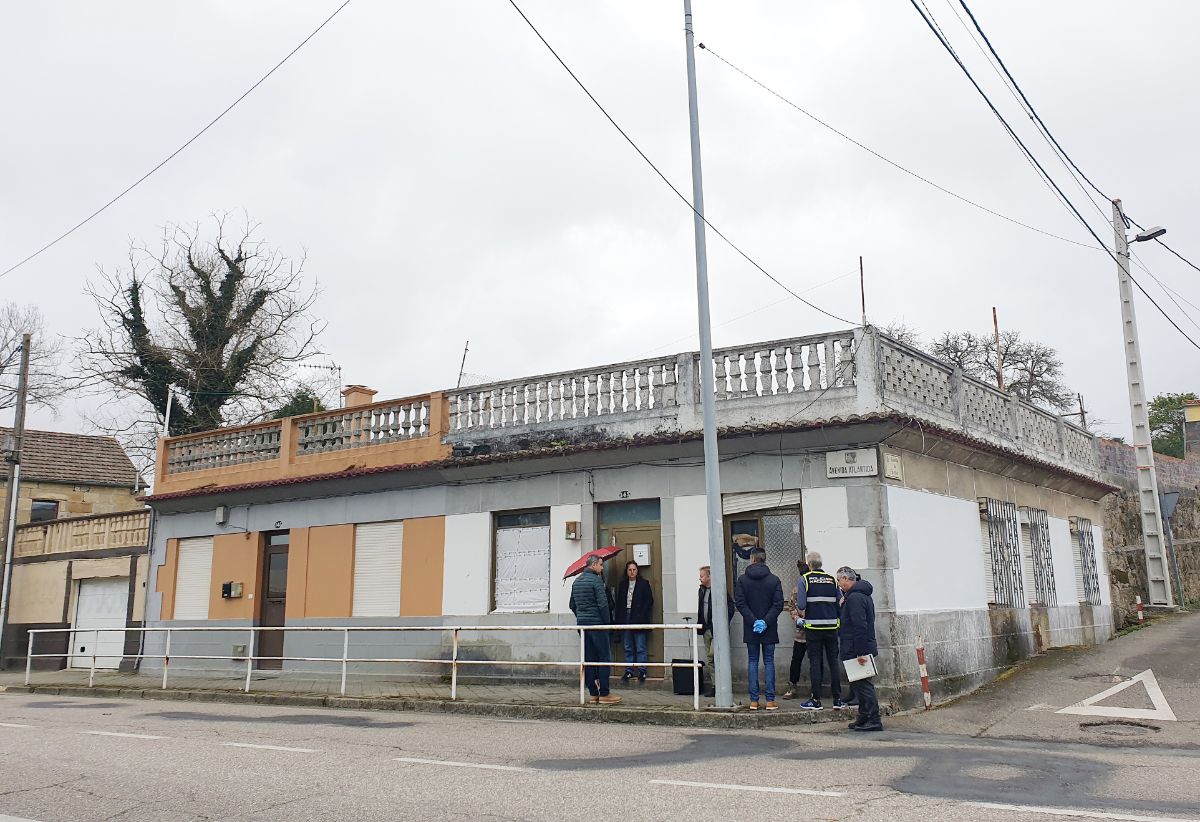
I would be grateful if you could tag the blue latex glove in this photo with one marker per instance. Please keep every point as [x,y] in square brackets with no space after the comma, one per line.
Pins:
[759,626]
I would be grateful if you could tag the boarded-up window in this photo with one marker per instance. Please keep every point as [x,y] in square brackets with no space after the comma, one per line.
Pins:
[1039,562]
[1000,532]
[378,550]
[1083,550]
[522,583]
[193,578]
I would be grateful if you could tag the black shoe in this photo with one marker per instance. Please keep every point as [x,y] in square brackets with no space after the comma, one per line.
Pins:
[642,678]
[870,726]
[710,693]
[853,726]
[626,677]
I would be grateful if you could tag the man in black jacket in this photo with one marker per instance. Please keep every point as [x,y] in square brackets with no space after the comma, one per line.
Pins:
[704,618]
[634,606]
[758,596]
[857,636]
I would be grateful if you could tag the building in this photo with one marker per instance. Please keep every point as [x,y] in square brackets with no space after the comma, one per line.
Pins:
[976,516]
[80,546]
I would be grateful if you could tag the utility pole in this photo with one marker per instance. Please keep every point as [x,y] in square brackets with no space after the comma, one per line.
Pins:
[13,487]
[862,290]
[723,682]
[1147,478]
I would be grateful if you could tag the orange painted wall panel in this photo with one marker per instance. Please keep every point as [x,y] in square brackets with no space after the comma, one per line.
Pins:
[165,582]
[236,558]
[422,566]
[330,588]
[297,578]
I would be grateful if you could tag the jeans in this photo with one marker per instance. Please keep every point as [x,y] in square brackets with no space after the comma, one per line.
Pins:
[596,649]
[798,649]
[768,659]
[636,643]
[868,704]
[823,652]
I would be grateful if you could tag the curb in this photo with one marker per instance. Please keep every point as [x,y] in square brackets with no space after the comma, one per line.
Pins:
[559,713]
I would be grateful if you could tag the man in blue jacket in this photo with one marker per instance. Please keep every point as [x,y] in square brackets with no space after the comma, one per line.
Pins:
[589,603]
[857,636]
[758,596]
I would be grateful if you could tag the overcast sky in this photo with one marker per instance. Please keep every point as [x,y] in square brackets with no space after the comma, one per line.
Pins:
[450,182]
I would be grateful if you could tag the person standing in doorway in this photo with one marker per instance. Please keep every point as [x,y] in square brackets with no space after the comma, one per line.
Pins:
[759,598]
[817,598]
[635,605]
[589,603]
[857,635]
[704,619]
[800,642]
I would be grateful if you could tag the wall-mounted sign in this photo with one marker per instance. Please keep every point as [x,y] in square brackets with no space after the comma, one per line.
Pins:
[857,462]
[641,553]
[893,467]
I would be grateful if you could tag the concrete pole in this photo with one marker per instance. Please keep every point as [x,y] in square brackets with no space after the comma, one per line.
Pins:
[13,487]
[712,466]
[1147,479]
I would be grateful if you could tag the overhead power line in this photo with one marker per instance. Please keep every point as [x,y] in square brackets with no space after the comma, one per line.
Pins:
[1012,134]
[177,151]
[663,177]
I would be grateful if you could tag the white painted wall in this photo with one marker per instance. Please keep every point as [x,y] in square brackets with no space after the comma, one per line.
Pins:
[940,557]
[826,529]
[1101,564]
[466,580]
[1064,562]
[562,553]
[691,548]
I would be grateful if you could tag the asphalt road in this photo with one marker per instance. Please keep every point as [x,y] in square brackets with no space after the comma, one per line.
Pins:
[985,758]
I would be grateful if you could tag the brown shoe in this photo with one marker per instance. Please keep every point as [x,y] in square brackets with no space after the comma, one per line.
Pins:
[772,706]
[608,700]
[593,700]
[754,705]
[790,694]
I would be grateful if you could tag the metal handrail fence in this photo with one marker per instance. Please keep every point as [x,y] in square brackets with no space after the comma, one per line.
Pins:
[345,659]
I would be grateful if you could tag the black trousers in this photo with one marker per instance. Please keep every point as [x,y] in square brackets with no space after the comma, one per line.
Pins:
[823,653]
[868,703]
[794,670]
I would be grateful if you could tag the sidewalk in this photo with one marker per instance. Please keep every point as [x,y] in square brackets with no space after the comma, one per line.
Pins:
[651,704]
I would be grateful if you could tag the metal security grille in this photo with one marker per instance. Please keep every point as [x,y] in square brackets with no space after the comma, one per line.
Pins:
[1041,560]
[1089,577]
[781,539]
[1002,551]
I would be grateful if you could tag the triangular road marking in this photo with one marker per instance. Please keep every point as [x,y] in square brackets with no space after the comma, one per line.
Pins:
[1161,710]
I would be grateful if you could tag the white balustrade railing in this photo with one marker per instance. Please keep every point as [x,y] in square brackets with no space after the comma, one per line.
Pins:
[784,367]
[224,447]
[125,529]
[363,426]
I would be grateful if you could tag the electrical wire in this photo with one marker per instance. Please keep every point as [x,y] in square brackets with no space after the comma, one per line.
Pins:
[1012,134]
[708,50]
[177,151]
[663,177]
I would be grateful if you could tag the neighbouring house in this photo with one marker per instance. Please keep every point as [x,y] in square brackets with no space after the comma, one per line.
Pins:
[977,517]
[79,550]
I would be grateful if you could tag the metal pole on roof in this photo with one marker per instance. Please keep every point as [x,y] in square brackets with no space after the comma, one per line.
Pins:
[13,487]
[712,466]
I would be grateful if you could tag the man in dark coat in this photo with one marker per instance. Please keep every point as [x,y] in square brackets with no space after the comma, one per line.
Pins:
[635,606]
[758,596]
[589,603]
[857,637]
[704,618]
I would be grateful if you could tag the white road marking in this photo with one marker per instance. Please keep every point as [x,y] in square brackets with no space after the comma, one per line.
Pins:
[268,747]
[12,725]
[123,736]
[1121,817]
[1041,706]
[1161,711]
[450,764]
[756,788]
[4,818]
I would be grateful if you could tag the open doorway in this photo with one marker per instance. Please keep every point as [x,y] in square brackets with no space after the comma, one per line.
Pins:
[634,526]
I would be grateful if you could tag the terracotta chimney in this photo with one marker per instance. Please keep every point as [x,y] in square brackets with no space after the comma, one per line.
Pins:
[357,395]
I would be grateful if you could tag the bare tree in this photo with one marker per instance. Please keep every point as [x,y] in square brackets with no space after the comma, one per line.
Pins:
[219,323]
[1032,370]
[903,332]
[45,383]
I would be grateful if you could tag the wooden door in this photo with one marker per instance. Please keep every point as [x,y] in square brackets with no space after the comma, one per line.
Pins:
[628,537]
[273,600]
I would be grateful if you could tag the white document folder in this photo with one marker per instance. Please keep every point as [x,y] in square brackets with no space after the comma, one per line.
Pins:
[855,672]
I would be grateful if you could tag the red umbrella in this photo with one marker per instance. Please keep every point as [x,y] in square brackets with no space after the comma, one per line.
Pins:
[581,563]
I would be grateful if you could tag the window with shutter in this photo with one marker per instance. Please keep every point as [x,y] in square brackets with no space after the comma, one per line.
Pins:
[1087,577]
[193,578]
[378,551]
[1000,531]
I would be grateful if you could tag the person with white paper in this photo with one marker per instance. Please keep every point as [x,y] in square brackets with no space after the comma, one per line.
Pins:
[856,633]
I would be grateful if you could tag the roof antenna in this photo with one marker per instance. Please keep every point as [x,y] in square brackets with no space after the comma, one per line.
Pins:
[462,368]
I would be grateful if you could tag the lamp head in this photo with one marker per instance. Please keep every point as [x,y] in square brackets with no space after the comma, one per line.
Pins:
[1149,234]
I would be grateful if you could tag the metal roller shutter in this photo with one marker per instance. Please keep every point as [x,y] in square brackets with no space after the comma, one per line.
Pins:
[759,500]
[193,578]
[378,550]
